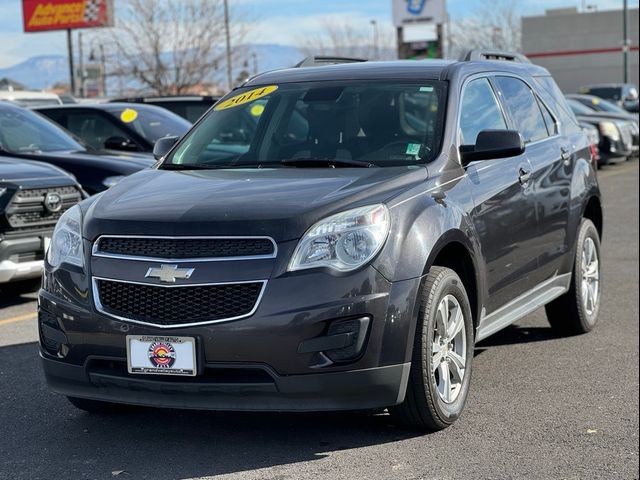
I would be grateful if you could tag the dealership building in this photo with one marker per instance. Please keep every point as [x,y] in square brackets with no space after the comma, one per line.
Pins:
[582,48]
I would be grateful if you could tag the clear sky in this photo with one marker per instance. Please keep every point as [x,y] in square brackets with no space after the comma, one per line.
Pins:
[279,21]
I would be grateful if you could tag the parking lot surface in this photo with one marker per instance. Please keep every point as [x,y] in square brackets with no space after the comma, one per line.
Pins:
[540,406]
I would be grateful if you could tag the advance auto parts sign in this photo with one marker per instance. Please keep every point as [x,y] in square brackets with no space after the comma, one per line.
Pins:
[42,15]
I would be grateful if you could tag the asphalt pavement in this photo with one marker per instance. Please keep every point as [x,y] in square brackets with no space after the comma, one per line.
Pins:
[540,406]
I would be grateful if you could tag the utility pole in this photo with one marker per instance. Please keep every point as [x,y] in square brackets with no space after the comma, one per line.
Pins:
[81,65]
[625,41]
[228,41]
[376,48]
[72,76]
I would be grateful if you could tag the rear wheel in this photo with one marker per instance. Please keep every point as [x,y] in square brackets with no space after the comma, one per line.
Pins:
[442,354]
[576,311]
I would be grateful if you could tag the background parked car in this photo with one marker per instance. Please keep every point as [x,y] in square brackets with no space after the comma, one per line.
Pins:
[616,135]
[26,98]
[126,127]
[25,134]
[623,94]
[190,107]
[598,104]
[33,196]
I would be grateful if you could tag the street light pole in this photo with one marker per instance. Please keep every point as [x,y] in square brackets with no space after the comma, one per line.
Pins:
[376,49]
[228,42]
[72,76]
[625,41]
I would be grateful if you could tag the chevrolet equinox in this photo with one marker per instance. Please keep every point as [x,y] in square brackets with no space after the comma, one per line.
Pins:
[330,238]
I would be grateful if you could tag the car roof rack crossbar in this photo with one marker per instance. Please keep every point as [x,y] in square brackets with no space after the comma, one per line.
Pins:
[489,54]
[317,61]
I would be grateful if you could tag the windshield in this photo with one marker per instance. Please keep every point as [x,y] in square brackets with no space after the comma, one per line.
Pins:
[610,93]
[579,108]
[151,123]
[605,106]
[23,131]
[371,124]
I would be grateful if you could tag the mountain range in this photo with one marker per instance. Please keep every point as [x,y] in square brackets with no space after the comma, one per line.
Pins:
[43,71]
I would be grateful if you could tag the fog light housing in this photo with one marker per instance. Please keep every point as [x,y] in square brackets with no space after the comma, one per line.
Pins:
[343,342]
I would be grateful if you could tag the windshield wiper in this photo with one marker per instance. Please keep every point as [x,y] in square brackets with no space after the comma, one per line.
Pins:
[326,162]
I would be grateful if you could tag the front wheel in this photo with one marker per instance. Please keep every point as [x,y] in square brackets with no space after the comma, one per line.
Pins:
[442,354]
[576,311]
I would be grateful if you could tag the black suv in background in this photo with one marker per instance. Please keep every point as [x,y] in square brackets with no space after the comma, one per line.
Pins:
[623,94]
[27,135]
[189,107]
[33,196]
[348,253]
[117,126]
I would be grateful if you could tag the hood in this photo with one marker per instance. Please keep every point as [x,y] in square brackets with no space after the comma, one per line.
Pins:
[126,161]
[17,170]
[281,202]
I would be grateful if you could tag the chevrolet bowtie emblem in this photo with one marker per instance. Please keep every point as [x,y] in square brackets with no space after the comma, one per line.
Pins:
[169,273]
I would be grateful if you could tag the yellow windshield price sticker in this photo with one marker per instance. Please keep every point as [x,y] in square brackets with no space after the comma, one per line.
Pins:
[257,110]
[128,115]
[246,97]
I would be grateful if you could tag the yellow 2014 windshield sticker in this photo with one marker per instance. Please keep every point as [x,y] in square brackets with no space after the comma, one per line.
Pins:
[246,97]
[128,115]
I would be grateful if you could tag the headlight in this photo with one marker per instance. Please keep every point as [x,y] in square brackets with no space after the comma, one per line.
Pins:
[66,242]
[111,181]
[344,241]
[609,129]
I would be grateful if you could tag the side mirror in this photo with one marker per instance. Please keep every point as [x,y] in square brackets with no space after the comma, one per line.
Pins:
[493,144]
[120,143]
[162,146]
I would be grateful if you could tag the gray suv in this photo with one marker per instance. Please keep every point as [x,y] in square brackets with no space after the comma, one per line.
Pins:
[330,238]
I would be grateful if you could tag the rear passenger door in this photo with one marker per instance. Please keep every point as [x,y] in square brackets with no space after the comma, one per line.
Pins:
[504,205]
[551,158]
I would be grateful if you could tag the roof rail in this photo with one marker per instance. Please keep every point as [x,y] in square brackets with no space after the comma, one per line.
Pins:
[314,61]
[488,54]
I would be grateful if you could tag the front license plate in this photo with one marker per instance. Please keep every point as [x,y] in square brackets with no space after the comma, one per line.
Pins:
[161,355]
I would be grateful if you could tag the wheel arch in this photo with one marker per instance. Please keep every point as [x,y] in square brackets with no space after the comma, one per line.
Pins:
[593,211]
[454,251]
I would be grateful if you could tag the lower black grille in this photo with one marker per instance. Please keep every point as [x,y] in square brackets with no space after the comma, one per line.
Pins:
[181,248]
[177,305]
[30,208]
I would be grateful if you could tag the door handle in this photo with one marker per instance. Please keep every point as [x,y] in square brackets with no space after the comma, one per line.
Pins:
[524,177]
[565,153]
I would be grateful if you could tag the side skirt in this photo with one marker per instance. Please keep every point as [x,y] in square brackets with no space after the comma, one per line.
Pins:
[523,305]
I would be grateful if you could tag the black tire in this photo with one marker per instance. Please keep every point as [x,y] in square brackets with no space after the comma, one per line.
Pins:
[570,314]
[15,289]
[96,406]
[423,407]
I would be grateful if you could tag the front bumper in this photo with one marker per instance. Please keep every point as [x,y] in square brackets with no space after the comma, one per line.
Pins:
[254,363]
[355,389]
[12,268]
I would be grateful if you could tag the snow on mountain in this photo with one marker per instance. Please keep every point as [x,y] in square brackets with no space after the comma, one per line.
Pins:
[43,71]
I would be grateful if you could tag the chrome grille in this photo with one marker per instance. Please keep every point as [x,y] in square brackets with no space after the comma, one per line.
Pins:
[176,305]
[27,209]
[184,248]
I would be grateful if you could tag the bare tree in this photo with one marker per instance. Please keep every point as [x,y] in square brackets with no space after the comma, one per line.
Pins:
[494,25]
[170,46]
[346,39]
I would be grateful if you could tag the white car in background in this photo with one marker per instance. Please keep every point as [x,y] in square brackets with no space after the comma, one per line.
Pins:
[27,98]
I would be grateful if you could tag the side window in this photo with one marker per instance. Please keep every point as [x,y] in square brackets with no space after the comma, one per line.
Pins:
[524,109]
[93,128]
[552,127]
[479,111]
